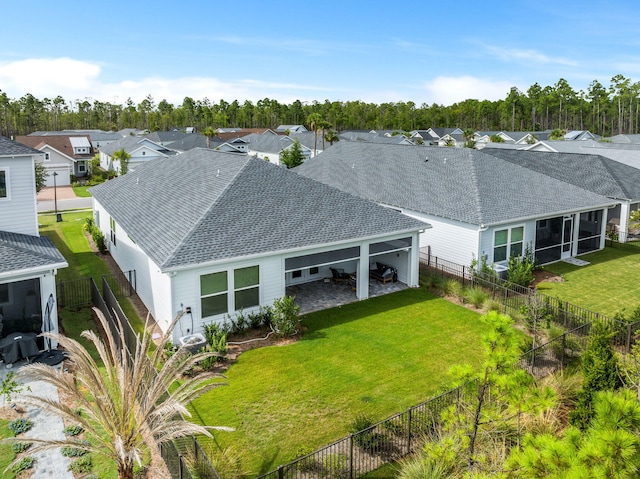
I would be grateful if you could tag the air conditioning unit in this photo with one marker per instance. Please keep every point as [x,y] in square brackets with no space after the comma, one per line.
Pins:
[501,270]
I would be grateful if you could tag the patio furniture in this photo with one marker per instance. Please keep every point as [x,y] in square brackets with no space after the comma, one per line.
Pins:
[339,276]
[18,346]
[383,273]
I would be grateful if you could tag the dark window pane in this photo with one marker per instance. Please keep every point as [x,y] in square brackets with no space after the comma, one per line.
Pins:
[213,305]
[247,298]
[244,277]
[213,283]
[499,254]
[516,249]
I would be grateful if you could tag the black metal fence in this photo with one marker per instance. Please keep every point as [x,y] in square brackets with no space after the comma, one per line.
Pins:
[77,292]
[516,299]
[181,455]
[382,443]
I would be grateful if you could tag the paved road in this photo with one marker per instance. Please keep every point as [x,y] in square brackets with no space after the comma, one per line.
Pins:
[70,204]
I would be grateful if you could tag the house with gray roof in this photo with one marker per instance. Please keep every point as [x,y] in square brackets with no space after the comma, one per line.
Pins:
[218,233]
[28,262]
[478,204]
[269,147]
[141,150]
[591,172]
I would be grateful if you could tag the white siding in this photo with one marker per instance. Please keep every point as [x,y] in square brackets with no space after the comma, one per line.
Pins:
[448,239]
[18,211]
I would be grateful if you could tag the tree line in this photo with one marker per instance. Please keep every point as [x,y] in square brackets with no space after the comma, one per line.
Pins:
[602,110]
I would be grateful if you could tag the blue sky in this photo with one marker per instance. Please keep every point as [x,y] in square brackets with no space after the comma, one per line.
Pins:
[372,50]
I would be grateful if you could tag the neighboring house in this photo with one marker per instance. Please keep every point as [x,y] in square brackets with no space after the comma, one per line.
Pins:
[218,233]
[456,140]
[64,155]
[140,149]
[269,147]
[291,129]
[509,137]
[580,135]
[478,204]
[591,172]
[28,262]
[98,138]
[375,138]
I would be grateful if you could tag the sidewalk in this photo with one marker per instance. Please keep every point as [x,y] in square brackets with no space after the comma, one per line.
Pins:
[48,464]
[61,198]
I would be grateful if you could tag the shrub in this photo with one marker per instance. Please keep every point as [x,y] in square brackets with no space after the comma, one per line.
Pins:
[208,362]
[69,451]
[453,288]
[492,305]
[216,339]
[18,426]
[363,436]
[98,239]
[520,269]
[82,465]
[476,296]
[23,464]
[19,447]
[285,316]
[73,430]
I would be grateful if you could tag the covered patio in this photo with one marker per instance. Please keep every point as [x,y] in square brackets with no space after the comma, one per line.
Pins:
[325,293]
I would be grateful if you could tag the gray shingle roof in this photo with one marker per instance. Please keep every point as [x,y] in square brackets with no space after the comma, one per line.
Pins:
[212,206]
[458,183]
[19,252]
[594,173]
[9,148]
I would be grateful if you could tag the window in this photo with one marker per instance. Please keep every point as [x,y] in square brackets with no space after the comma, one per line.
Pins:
[213,294]
[314,270]
[82,167]
[4,293]
[4,184]
[112,232]
[246,283]
[47,157]
[296,274]
[507,243]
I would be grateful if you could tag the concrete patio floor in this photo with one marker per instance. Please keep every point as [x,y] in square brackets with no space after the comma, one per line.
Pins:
[318,295]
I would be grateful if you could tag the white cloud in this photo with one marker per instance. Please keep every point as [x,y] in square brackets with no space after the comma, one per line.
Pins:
[75,79]
[526,56]
[449,90]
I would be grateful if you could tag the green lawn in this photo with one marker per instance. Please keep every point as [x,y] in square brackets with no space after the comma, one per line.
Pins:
[378,357]
[81,191]
[605,286]
[69,238]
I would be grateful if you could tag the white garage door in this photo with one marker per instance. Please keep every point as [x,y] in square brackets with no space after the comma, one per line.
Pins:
[63,178]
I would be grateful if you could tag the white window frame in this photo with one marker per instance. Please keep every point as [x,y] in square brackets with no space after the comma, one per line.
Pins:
[509,244]
[7,180]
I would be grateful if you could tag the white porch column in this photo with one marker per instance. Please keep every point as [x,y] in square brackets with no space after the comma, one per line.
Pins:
[413,268]
[603,227]
[625,211]
[47,288]
[362,284]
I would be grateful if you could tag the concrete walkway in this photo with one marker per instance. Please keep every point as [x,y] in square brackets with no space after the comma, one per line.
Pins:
[48,464]
[65,198]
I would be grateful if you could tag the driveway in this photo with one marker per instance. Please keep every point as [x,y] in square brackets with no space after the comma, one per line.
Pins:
[65,198]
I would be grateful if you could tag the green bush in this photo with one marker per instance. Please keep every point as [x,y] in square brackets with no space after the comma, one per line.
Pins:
[521,269]
[285,316]
[454,288]
[19,447]
[18,426]
[82,465]
[73,430]
[69,451]
[476,296]
[216,337]
[99,240]
[23,464]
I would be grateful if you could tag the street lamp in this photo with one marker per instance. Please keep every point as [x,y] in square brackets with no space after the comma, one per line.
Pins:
[55,198]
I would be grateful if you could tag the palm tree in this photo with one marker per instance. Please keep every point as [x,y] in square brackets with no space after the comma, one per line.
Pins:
[124,405]
[331,136]
[123,156]
[314,120]
[209,132]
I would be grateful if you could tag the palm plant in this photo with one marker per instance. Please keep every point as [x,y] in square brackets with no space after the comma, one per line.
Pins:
[130,405]
[209,132]
[123,156]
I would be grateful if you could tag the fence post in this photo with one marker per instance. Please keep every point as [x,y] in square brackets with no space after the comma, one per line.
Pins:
[61,298]
[280,472]
[195,447]
[180,466]
[350,456]
[628,344]
[464,277]
[564,345]
[409,431]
